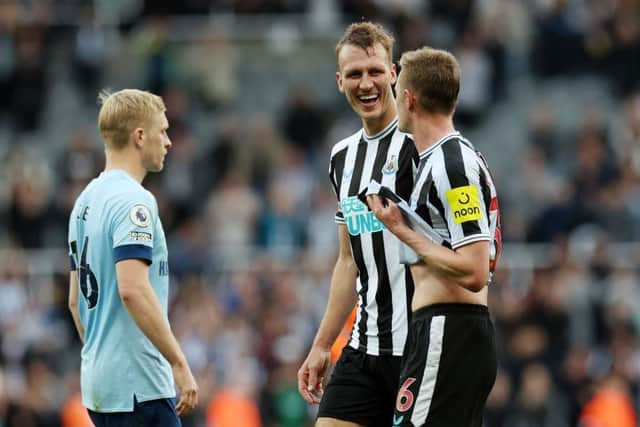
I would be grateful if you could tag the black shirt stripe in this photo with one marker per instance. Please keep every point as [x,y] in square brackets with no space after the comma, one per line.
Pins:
[454,166]
[356,247]
[383,293]
[337,169]
[408,159]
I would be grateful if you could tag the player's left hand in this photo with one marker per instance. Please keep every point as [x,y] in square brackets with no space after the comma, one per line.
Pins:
[386,211]
[311,374]
[187,388]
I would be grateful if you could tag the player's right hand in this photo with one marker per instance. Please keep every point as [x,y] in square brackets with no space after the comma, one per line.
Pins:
[187,388]
[311,374]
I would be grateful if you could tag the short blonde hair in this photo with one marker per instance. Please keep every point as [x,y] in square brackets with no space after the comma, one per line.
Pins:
[123,111]
[435,77]
[365,35]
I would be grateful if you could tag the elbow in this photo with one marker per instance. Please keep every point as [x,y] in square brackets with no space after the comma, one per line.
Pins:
[72,305]
[72,302]
[475,282]
[127,292]
[351,266]
[347,263]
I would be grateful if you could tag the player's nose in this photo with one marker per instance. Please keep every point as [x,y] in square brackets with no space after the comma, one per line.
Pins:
[366,83]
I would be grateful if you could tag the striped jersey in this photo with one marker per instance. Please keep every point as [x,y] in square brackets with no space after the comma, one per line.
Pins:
[455,194]
[384,286]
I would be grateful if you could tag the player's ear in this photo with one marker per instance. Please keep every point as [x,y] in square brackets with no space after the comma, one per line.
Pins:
[410,100]
[394,74]
[138,137]
[339,81]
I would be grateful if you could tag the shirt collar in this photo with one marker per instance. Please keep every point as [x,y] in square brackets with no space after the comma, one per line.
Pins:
[384,132]
[439,142]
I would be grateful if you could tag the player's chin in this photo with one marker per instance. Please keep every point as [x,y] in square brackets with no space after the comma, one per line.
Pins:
[158,167]
[370,114]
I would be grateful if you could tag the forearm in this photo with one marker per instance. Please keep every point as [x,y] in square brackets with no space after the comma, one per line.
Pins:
[144,308]
[342,298]
[439,258]
[73,304]
[467,268]
[75,314]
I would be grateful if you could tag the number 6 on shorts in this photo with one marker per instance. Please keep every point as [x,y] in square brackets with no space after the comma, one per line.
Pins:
[405,396]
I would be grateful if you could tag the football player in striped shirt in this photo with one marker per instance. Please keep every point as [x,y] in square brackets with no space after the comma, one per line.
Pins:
[368,273]
[450,362]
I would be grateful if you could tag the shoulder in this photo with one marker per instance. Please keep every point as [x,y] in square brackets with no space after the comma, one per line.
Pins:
[457,152]
[454,161]
[406,142]
[134,199]
[346,142]
[397,133]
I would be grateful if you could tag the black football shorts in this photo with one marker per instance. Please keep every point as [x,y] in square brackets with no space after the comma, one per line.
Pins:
[362,389]
[449,367]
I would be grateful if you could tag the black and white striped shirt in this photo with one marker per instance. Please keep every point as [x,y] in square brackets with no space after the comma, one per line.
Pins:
[384,286]
[455,194]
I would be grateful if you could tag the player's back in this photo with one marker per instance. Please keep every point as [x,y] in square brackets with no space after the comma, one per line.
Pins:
[115,219]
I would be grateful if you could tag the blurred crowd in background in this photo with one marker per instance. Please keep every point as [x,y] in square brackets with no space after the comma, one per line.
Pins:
[550,94]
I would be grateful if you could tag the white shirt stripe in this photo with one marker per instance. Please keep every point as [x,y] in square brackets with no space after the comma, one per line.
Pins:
[428,384]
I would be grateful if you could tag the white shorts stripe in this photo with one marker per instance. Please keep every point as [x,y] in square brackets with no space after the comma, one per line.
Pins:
[425,393]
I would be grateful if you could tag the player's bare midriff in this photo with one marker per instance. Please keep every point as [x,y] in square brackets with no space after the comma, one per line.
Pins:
[431,288]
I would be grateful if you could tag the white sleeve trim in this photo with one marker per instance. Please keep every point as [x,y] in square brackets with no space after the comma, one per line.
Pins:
[470,239]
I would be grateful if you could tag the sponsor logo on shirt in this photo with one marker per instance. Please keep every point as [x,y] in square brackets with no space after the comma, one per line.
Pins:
[140,236]
[464,203]
[358,217]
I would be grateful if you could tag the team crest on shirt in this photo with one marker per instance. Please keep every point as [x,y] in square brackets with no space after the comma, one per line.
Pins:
[347,173]
[465,204]
[140,215]
[391,166]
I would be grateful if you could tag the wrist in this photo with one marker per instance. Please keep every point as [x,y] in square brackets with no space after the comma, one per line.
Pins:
[321,346]
[400,230]
[178,361]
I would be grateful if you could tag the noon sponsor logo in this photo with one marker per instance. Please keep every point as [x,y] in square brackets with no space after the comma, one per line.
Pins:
[465,204]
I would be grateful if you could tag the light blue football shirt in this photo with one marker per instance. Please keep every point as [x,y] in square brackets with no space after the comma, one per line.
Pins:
[114,219]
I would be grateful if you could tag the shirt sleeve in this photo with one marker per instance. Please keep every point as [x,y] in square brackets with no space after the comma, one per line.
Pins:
[408,164]
[339,216]
[133,224]
[460,195]
[71,241]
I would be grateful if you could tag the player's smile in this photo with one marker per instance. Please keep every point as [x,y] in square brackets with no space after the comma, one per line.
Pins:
[369,101]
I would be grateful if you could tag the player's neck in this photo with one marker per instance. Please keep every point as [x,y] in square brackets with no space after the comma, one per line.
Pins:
[127,162]
[430,128]
[375,126]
